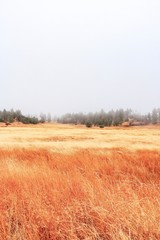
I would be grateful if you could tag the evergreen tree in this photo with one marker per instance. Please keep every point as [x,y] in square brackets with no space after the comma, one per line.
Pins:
[154,116]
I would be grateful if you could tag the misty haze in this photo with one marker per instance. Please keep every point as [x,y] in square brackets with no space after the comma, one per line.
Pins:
[68,56]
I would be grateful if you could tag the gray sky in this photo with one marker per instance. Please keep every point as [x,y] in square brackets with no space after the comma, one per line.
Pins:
[63,56]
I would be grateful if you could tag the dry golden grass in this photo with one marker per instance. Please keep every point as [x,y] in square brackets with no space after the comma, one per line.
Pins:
[68,138]
[69,182]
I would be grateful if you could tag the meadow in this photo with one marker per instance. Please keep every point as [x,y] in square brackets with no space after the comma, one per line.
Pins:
[70,182]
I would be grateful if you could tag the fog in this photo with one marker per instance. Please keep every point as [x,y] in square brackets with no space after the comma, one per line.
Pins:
[79,56]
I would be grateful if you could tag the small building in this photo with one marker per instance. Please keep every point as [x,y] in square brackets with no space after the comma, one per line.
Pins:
[137,123]
[126,124]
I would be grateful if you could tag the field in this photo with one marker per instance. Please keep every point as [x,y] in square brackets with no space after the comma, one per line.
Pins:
[70,182]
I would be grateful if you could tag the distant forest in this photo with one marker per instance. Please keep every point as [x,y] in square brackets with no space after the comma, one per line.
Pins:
[16,116]
[112,118]
[11,116]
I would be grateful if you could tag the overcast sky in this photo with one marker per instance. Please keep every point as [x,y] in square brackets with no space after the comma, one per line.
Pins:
[63,56]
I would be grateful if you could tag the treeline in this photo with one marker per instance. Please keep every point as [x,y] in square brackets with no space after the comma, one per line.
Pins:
[111,118]
[101,119]
[12,116]
[17,116]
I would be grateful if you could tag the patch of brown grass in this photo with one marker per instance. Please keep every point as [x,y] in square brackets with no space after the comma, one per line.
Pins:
[84,195]
[62,138]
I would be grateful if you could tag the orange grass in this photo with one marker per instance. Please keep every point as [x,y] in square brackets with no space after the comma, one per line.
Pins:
[84,195]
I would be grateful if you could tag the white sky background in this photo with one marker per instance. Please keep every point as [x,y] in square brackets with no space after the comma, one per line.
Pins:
[63,56]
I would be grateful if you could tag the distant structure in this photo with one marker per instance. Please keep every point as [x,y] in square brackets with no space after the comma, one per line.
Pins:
[131,122]
[126,124]
[137,123]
